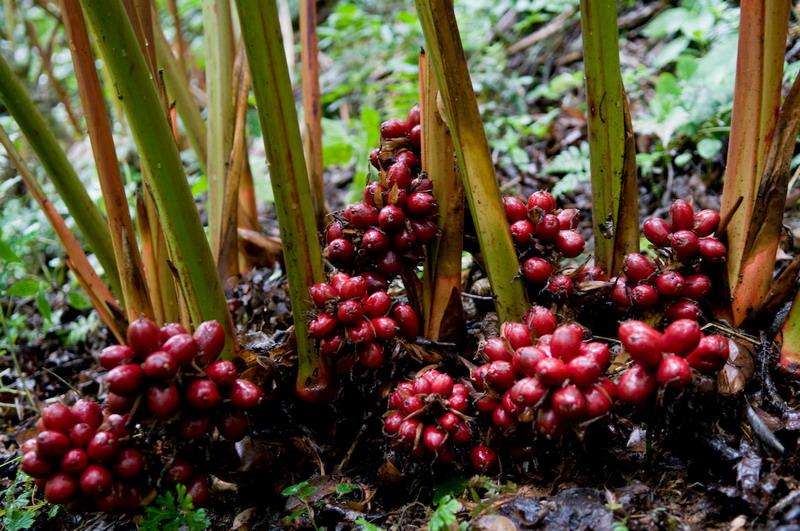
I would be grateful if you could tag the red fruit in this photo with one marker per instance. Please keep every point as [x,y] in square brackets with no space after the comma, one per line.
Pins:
[222,372]
[162,402]
[596,351]
[598,401]
[323,325]
[517,334]
[394,128]
[522,232]
[696,286]
[203,394]
[591,272]
[80,434]
[172,329]
[525,359]
[483,459]
[541,320]
[194,427]
[478,376]
[682,215]
[636,384]
[95,480]
[117,425]
[210,339]
[642,341]
[404,240]
[51,444]
[710,355]
[583,370]
[412,404]
[321,293]
[389,263]
[706,222]
[385,328]
[399,174]
[197,490]
[433,438]
[361,332]
[566,341]
[644,296]
[415,135]
[377,304]
[537,270]
[234,426]
[560,286]
[422,184]
[331,345]
[515,208]
[180,471]
[125,379]
[421,384]
[74,461]
[458,402]
[527,392]
[340,251]
[494,349]
[620,296]
[375,281]
[115,355]
[183,348]
[681,336]
[638,267]
[674,371]
[547,228]
[245,394]
[448,421]
[685,243]
[408,430]
[34,465]
[117,403]
[353,288]
[392,422]
[144,336]
[424,231]
[103,447]
[683,309]
[657,231]
[543,200]
[391,218]
[370,355]
[712,249]
[408,158]
[568,402]
[549,423]
[349,312]
[374,241]
[421,204]
[160,366]
[570,243]
[551,371]
[568,218]
[461,434]
[86,411]
[407,320]
[60,488]
[334,230]
[130,464]
[441,384]
[500,375]
[485,404]
[670,283]
[502,418]
[58,417]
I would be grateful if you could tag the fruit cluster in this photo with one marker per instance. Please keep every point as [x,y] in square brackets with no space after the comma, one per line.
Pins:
[78,456]
[666,358]
[543,235]
[167,368]
[352,313]
[678,280]
[385,233]
[541,373]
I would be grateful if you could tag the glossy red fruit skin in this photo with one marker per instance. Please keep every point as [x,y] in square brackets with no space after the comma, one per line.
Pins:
[58,417]
[685,244]
[549,423]
[321,293]
[682,215]
[636,385]
[118,403]
[398,175]
[710,355]
[551,371]
[334,230]
[681,336]
[620,295]
[415,135]
[198,491]
[125,379]
[130,464]
[407,320]
[245,394]
[103,447]
[222,372]
[371,355]
[180,471]
[80,435]
[543,200]
[202,394]
[500,375]
[34,465]
[683,309]
[644,296]
[87,411]
[234,426]
[547,228]
[353,288]
[394,128]
[568,402]
[60,488]
[391,218]
[674,371]
[583,371]
[638,267]
[340,251]
[95,480]
[408,158]
[210,339]
[657,231]
[570,243]
[377,304]
[522,232]
[390,263]
[517,334]
[541,320]
[515,208]
[361,332]
[433,438]
[323,325]
[502,418]
[162,402]
[696,286]
[596,351]
[74,461]
[159,366]
[494,349]
[144,336]
[421,204]
[566,341]
[537,270]
[568,218]
[527,391]
[448,421]
[560,286]
[706,222]
[525,359]
[712,249]
[349,312]
[641,341]
[670,283]
[408,430]
[598,401]
[483,459]
[413,116]
[51,444]
[172,329]
[182,347]
[374,241]
[441,384]
[116,424]
[194,427]
[115,355]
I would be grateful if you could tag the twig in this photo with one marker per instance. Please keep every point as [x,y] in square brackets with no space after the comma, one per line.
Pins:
[762,431]
[551,28]
[349,454]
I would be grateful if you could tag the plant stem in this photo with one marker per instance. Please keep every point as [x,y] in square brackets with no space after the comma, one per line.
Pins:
[615,198]
[443,43]
[293,202]
[188,250]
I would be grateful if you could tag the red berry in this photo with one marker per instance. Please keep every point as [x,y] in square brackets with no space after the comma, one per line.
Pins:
[349,312]
[706,222]
[485,404]
[340,251]
[95,480]
[543,200]
[413,116]
[415,135]
[644,296]
[685,243]
[458,402]
[118,403]
[517,334]
[681,336]
[144,336]
[568,218]
[596,351]
[638,267]
[194,427]
[683,309]
[502,418]
[657,231]
[203,394]
[34,465]
[560,286]
[130,464]
[570,243]
[234,426]
[424,231]
[682,215]
[370,355]
[334,230]
[210,339]
[353,288]
[696,286]
[522,232]
[566,341]
[323,325]
[183,348]
[495,350]
[537,270]
[172,329]
[321,293]
[377,304]
[551,371]
[391,218]
[197,490]
[500,374]
[583,370]
[549,423]
[394,128]
[568,402]
[103,447]
[115,355]
[448,421]
[525,359]
[598,401]
[87,411]
[421,204]
[331,345]
[527,392]
[548,228]
[374,241]
[441,384]
[515,208]
[408,158]
[670,283]
[636,384]
[398,175]
[710,355]
[245,394]
[125,379]
[462,434]
[162,402]
[80,434]
[51,444]
[389,263]
[541,320]
[483,459]
[361,332]
[433,438]
[408,430]
[421,385]
[58,417]
[712,249]
[407,320]
[412,404]
[641,341]
[404,240]
[674,371]
[180,471]
[74,461]
[222,372]
[160,366]
[60,488]
[620,295]
[392,422]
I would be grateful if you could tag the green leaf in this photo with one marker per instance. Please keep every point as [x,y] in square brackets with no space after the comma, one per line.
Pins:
[345,488]
[44,306]
[302,490]
[7,253]
[708,148]
[666,23]
[27,287]
[78,300]
[445,514]
[670,52]
[366,526]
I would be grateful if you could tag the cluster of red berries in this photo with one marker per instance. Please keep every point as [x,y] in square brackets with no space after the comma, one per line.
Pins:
[80,456]
[538,372]
[666,358]
[354,313]
[428,416]
[167,368]
[679,276]
[543,235]
[386,232]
